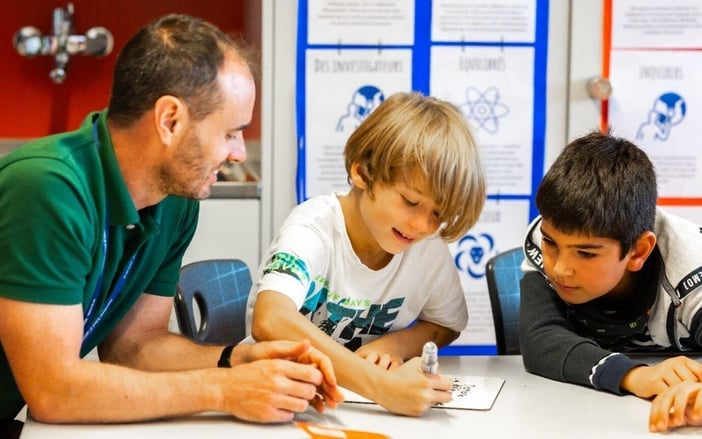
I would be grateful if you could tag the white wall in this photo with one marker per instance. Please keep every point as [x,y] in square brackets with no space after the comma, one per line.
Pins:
[278,134]
[585,63]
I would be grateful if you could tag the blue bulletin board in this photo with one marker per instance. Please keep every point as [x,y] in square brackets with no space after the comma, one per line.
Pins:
[489,57]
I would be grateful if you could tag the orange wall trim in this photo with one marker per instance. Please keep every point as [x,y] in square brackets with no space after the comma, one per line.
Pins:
[680,201]
[606,49]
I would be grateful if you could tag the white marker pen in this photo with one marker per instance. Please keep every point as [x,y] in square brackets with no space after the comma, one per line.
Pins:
[430,358]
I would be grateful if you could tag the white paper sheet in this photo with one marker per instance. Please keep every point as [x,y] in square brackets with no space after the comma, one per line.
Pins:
[342,88]
[390,22]
[469,393]
[484,20]
[655,94]
[661,24]
[494,87]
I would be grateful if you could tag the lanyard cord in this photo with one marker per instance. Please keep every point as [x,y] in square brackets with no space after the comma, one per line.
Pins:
[91,307]
[90,324]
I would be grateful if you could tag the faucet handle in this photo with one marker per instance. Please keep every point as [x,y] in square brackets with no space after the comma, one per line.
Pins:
[58,75]
[28,41]
[63,43]
[63,20]
[99,41]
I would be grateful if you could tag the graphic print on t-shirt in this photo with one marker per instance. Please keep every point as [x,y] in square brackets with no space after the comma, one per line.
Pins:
[345,319]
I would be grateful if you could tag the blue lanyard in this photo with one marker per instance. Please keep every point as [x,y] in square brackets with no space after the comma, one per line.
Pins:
[91,308]
[88,325]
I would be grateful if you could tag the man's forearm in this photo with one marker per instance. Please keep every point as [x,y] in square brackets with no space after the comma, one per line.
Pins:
[163,352]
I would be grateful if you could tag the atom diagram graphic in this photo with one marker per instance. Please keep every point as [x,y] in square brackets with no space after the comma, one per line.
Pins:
[484,108]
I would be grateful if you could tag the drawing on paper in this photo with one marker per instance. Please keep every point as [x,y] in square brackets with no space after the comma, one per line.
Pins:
[363,102]
[667,111]
[484,109]
[473,251]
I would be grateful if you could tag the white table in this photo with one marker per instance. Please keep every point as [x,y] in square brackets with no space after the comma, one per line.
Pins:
[528,406]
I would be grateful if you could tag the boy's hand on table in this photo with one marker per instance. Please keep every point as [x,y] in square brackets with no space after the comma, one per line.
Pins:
[649,381]
[678,406]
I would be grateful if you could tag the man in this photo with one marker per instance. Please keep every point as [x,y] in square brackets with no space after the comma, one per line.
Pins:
[94,226]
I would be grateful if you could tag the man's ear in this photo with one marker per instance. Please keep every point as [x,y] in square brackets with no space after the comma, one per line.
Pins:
[643,247]
[170,114]
[357,177]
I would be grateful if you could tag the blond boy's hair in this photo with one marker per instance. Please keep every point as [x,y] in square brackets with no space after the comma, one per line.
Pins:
[410,133]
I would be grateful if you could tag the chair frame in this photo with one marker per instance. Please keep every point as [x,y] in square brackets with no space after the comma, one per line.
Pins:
[214,326]
[495,298]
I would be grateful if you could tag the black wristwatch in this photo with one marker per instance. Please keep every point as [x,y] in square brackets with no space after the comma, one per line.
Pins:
[224,359]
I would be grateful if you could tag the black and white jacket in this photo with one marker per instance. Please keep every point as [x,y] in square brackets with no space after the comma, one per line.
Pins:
[583,345]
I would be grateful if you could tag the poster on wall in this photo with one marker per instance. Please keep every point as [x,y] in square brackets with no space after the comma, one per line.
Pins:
[481,81]
[355,54]
[654,68]
[494,233]
[359,80]
[488,57]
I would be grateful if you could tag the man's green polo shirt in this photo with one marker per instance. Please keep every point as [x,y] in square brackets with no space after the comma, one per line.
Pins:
[63,201]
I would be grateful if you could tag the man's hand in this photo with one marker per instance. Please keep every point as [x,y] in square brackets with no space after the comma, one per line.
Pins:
[268,390]
[300,352]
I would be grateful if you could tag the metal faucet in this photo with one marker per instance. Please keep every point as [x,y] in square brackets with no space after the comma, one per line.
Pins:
[62,43]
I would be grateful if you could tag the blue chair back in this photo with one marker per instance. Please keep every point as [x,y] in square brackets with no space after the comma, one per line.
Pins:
[210,301]
[503,274]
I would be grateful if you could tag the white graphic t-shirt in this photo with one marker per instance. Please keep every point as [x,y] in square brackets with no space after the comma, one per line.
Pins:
[312,262]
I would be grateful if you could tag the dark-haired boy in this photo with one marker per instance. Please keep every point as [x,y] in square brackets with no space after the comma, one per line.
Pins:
[608,272]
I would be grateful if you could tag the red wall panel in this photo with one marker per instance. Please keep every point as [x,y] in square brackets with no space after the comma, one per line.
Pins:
[31,105]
